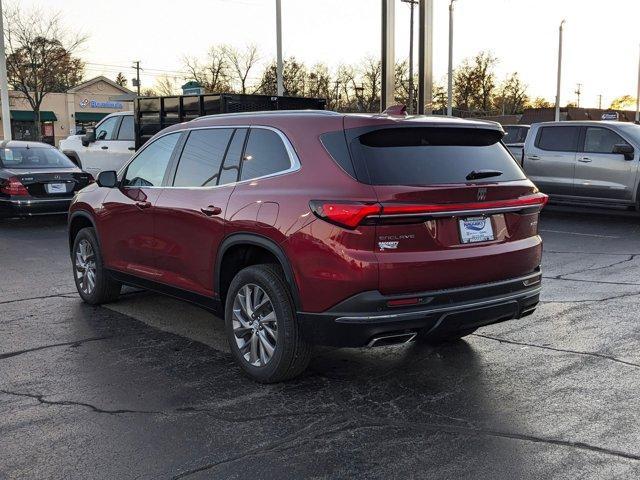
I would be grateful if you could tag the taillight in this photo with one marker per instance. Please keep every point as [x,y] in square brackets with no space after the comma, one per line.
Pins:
[534,200]
[351,214]
[345,214]
[13,186]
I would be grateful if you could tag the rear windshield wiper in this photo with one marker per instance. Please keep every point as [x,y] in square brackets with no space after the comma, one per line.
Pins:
[476,174]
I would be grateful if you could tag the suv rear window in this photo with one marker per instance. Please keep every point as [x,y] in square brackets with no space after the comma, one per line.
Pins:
[432,155]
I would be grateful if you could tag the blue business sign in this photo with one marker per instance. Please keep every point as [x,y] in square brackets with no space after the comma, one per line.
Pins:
[84,103]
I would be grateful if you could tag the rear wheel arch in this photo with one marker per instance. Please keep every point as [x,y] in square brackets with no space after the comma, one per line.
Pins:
[241,250]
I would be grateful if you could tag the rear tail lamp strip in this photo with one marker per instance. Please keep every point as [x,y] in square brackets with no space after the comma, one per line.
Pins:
[351,214]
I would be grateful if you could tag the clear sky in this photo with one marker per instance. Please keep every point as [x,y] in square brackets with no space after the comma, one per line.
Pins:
[600,48]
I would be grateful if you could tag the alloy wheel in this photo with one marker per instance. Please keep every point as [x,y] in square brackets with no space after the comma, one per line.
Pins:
[255,326]
[85,266]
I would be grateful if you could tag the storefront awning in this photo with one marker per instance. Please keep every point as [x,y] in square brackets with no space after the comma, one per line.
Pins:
[30,116]
[90,116]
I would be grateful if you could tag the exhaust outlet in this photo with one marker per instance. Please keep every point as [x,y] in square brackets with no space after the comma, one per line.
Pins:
[392,339]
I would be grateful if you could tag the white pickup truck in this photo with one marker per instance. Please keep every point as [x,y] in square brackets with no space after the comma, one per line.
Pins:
[108,147]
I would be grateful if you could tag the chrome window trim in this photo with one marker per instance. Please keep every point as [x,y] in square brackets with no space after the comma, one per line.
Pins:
[294,161]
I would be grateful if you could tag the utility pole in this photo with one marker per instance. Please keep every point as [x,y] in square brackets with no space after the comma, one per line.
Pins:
[388,55]
[450,70]
[137,79]
[425,57]
[557,117]
[638,95]
[4,84]
[279,77]
[412,3]
[578,92]
[600,102]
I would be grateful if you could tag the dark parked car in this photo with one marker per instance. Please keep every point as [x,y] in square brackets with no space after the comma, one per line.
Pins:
[318,228]
[37,179]
[514,138]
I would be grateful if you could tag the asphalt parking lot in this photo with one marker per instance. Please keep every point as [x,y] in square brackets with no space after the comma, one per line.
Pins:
[145,387]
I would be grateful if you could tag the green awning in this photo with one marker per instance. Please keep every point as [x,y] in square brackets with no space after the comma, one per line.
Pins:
[90,116]
[30,116]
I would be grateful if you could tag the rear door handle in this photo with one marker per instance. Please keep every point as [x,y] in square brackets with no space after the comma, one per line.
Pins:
[104,147]
[533,157]
[584,159]
[131,148]
[211,210]
[143,205]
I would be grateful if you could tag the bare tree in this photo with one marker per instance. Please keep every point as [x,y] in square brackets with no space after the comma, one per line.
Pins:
[512,96]
[240,64]
[214,74]
[474,84]
[294,78]
[121,79]
[39,56]
[165,86]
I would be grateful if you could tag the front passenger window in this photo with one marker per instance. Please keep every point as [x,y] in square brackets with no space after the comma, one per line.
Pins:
[149,167]
[105,131]
[601,140]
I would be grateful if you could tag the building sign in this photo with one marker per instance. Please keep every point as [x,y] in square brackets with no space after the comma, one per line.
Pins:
[610,116]
[85,102]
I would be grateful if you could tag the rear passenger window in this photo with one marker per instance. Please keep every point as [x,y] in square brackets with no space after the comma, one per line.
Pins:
[126,128]
[202,157]
[601,140]
[265,154]
[558,139]
[231,167]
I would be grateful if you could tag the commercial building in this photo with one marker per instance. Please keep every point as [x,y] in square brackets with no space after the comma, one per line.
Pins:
[64,114]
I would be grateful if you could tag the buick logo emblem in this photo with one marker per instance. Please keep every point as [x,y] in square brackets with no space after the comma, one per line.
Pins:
[56,177]
[482,194]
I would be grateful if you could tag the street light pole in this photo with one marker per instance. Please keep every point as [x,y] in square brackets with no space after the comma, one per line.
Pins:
[4,84]
[412,3]
[279,79]
[450,70]
[557,117]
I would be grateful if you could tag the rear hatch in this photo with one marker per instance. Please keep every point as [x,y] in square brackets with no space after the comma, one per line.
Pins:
[456,209]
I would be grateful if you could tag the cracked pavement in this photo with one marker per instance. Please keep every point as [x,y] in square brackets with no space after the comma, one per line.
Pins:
[145,387]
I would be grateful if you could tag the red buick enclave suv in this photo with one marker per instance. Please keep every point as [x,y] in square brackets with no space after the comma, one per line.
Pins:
[314,227]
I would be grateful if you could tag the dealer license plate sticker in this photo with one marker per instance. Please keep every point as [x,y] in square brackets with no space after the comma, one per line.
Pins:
[56,188]
[476,229]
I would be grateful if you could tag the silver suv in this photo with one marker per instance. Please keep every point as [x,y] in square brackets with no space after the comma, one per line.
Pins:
[587,161]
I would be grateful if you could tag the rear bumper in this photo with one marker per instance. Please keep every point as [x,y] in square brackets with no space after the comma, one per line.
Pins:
[355,321]
[33,206]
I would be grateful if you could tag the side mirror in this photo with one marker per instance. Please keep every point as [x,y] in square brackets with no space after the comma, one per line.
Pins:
[624,149]
[88,138]
[107,179]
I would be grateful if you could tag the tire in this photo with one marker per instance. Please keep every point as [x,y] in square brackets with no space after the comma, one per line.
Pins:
[448,338]
[263,356]
[94,288]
